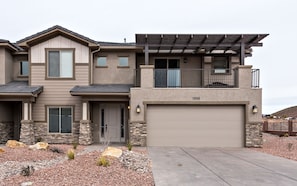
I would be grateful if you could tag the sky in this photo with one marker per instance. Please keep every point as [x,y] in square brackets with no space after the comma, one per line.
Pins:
[114,20]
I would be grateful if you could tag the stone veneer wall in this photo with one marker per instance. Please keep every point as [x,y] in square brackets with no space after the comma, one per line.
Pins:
[137,134]
[6,131]
[41,133]
[27,132]
[254,135]
[85,133]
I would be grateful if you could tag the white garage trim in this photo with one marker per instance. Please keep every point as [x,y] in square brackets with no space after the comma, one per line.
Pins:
[195,125]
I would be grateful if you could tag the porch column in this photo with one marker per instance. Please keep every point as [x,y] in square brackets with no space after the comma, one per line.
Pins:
[147,76]
[85,128]
[244,76]
[27,125]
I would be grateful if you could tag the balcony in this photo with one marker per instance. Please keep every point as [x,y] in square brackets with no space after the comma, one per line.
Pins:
[202,78]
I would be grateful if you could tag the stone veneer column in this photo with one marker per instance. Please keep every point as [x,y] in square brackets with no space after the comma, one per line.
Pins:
[254,135]
[138,134]
[27,132]
[85,133]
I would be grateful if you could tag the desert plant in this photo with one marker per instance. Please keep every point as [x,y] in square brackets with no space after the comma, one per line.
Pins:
[286,135]
[70,154]
[103,161]
[129,146]
[27,170]
[74,145]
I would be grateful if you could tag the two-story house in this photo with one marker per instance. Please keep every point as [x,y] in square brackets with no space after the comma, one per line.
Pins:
[163,90]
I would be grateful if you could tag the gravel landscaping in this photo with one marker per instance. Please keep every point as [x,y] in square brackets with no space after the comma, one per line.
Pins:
[52,168]
[279,146]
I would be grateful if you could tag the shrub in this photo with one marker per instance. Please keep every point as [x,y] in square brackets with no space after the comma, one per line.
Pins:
[70,154]
[102,161]
[286,135]
[27,170]
[129,146]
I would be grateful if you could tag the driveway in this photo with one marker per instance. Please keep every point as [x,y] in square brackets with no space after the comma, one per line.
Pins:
[220,166]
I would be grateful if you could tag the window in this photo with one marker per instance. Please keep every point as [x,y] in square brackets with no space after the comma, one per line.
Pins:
[123,61]
[60,119]
[24,68]
[101,62]
[60,64]
[167,73]
[220,65]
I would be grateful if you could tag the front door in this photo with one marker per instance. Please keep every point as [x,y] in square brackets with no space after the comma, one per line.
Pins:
[112,123]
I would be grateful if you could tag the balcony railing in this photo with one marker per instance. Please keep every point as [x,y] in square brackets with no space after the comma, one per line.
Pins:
[197,78]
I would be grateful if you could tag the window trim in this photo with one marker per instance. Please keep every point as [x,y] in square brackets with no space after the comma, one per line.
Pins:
[20,68]
[228,70]
[121,66]
[72,119]
[47,50]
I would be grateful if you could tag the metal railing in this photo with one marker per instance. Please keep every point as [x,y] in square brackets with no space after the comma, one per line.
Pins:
[196,78]
[255,78]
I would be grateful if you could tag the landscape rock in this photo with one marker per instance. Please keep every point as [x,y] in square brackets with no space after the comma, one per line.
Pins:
[112,151]
[1,150]
[135,161]
[39,146]
[14,144]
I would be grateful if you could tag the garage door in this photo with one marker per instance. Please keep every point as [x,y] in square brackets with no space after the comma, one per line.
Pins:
[195,126]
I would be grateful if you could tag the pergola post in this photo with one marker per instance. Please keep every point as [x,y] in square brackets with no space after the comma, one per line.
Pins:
[146,54]
[242,53]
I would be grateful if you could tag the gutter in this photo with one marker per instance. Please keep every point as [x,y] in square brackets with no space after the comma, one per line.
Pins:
[92,60]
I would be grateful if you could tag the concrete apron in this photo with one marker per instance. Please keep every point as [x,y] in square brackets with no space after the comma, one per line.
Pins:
[219,166]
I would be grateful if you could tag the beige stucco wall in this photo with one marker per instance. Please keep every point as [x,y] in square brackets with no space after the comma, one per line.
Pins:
[16,67]
[2,66]
[38,51]
[244,95]
[112,73]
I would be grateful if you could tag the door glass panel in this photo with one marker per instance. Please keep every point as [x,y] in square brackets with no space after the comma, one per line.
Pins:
[102,123]
[53,119]
[161,73]
[122,122]
[66,120]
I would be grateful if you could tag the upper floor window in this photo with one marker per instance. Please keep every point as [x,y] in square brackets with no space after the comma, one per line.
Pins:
[123,62]
[24,68]
[60,64]
[60,119]
[101,61]
[221,65]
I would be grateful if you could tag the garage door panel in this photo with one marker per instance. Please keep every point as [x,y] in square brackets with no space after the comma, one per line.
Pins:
[195,126]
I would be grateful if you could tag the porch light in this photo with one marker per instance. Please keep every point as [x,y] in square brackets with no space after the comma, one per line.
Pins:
[138,109]
[255,109]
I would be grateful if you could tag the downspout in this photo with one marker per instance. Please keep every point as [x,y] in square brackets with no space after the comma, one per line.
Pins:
[92,60]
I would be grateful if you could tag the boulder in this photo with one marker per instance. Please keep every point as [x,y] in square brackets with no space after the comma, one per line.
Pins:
[39,146]
[112,151]
[14,144]
[1,150]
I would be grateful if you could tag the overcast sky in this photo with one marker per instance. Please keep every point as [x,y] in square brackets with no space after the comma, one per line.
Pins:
[114,20]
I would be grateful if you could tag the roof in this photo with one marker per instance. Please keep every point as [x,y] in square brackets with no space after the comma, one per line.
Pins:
[101,89]
[196,43]
[287,112]
[9,45]
[53,32]
[20,88]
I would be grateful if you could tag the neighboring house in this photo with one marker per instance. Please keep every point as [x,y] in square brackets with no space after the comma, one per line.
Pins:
[164,90]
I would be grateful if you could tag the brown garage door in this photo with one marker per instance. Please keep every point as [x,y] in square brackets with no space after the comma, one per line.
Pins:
[195,126]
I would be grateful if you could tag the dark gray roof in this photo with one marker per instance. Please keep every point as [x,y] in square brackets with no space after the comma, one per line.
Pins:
[4,41]
[20,87]
[193,43]
[103,43]
[102,88]
[54,28]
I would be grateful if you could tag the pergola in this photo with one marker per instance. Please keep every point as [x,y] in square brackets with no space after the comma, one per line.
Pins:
[199,43]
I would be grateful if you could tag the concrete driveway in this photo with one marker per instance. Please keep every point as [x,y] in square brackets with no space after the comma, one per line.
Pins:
[220,166]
